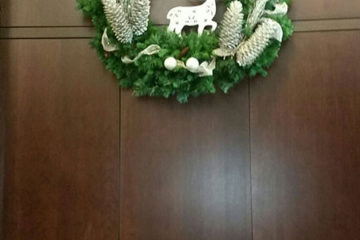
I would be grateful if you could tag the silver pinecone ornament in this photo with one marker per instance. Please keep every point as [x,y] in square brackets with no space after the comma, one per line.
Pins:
[251,49]
[139,16]
[256,13]
[231,26]
[117,17]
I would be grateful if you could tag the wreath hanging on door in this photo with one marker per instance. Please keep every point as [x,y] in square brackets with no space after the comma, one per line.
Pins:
[166,61]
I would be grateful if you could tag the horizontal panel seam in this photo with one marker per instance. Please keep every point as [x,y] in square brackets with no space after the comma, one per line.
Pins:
[90,26]
[85,32]
[87,26]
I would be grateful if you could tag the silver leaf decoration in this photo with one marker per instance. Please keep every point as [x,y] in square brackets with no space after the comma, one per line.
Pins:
[107,45]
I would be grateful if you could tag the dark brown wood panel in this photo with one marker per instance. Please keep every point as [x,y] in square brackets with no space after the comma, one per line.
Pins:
[62,154]
[324,9]
[2,148]
[185,169]
[41,13]
[64,13]
[305,135]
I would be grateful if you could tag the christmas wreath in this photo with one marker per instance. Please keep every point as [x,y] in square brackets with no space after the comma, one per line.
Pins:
[165,61]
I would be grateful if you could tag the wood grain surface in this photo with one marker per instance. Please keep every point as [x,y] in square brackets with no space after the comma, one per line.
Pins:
[304,141]
[41,13]
[2,145]
[62,142]
[185,169]
[64,13]
[324,9]
[274,160]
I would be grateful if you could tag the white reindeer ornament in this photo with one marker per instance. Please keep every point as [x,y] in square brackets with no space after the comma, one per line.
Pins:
[200,16]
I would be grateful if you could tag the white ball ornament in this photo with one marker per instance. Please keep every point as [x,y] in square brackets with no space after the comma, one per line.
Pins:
[192,64]
[170,63]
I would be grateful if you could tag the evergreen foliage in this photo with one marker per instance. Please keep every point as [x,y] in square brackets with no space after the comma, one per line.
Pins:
[148,77]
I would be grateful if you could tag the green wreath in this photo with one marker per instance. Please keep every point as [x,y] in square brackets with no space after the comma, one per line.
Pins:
[150,60]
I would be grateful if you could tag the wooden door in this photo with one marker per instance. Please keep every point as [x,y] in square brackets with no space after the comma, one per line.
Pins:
[275,159]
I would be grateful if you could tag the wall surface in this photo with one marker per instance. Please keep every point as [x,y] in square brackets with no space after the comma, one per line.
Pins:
[276,159]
